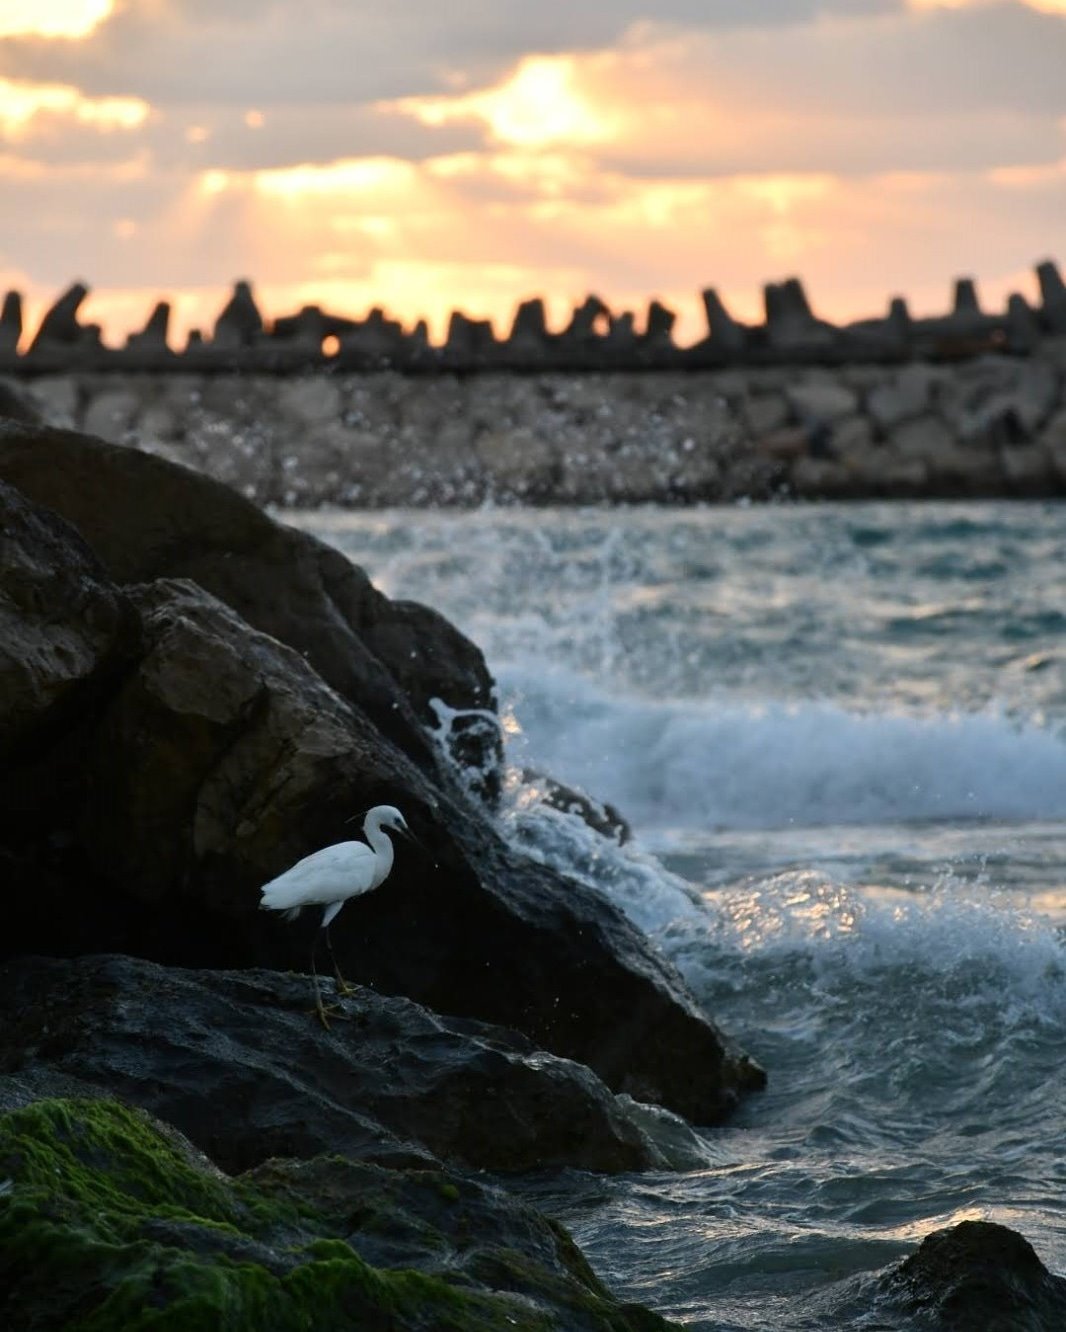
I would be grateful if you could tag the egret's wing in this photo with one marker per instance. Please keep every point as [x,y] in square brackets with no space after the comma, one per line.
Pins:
[330,875]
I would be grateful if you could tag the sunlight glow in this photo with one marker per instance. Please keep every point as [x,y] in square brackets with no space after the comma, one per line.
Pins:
[52,18]
[22,103]
[350,176]
[538,105]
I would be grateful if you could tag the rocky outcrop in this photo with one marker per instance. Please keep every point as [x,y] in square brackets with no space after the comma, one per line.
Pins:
[246,1073]
[146,518]
[65,629]
[221,756]
[978,1275]
[111,1220]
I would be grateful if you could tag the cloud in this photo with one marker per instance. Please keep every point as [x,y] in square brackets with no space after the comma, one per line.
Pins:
[273,52]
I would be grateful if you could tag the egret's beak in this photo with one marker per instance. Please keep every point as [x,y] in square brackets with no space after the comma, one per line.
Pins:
[410,836]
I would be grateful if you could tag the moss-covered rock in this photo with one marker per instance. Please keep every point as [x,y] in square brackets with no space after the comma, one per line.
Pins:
[108,1220]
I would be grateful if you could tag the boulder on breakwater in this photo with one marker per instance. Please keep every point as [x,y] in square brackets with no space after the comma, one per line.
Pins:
[109,1219]
[218,754]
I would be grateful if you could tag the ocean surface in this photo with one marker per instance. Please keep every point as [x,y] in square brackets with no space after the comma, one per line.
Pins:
[839,733]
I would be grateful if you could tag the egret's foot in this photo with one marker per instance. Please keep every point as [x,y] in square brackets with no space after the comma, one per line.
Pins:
[326,1011]
[345,988]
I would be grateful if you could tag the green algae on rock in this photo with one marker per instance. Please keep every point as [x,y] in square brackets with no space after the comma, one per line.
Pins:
[112,1221]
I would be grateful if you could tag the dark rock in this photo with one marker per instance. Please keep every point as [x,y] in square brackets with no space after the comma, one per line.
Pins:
[60,328]
[223,758]
[965,306]
[725,332]
[153,337]
[377,341]
[660,325]
[1052,296]
[114,1220]
[790,323]
[240,323]
[16,404]
[980,1275]
[469,340]
[148,518]
[10,323]
[246,1071]
[600,815]
[530,328]
[65,630]
[1023,327]
[589,321]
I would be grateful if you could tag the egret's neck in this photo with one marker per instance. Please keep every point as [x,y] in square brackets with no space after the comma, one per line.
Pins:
[381,846]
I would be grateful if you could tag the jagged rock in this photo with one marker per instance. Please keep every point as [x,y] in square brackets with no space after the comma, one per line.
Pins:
[468,339]
[60,327]
[246,1072]
[586,321]
[724,331]
[790,323]
[1052,296]
[240,322]
[64,629]
[529,331]
[377,341]
[979,1275]
[1023,328]
[10,323]
[600,815]
[147,518]
[113,1219]
[965,307]
[223,757]
[907,395]
[660,325]
[153,337]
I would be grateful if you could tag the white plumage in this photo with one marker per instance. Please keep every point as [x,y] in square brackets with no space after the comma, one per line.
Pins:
[328,878]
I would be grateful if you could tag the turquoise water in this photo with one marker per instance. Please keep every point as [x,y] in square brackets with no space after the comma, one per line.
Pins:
[840,735]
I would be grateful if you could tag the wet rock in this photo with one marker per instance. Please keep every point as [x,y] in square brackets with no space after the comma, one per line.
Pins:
[600,815]
[922,439]
[247,1072]
[979,1275]
[108,1209]
[147,518]
[223,757]
[65,630]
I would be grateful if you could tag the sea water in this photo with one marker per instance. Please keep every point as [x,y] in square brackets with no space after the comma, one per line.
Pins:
[839,734]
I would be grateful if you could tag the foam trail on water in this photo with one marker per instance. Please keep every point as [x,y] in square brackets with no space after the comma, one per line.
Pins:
[720,764]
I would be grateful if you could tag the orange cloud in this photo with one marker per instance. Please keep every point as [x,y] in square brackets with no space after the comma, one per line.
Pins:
[52,18]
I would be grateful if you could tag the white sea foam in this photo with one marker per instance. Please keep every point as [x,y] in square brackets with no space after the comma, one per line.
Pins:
[720,764]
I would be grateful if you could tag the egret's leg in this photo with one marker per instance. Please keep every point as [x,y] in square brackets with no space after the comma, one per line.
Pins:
[321,1011]
[343,987]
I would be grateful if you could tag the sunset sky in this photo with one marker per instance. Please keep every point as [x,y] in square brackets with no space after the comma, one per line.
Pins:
[424,155]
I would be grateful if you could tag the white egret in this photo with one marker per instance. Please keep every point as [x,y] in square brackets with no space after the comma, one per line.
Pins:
[328,878]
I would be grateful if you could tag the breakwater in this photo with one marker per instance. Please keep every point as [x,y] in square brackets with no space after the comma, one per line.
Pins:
[595,338]
[991,426]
